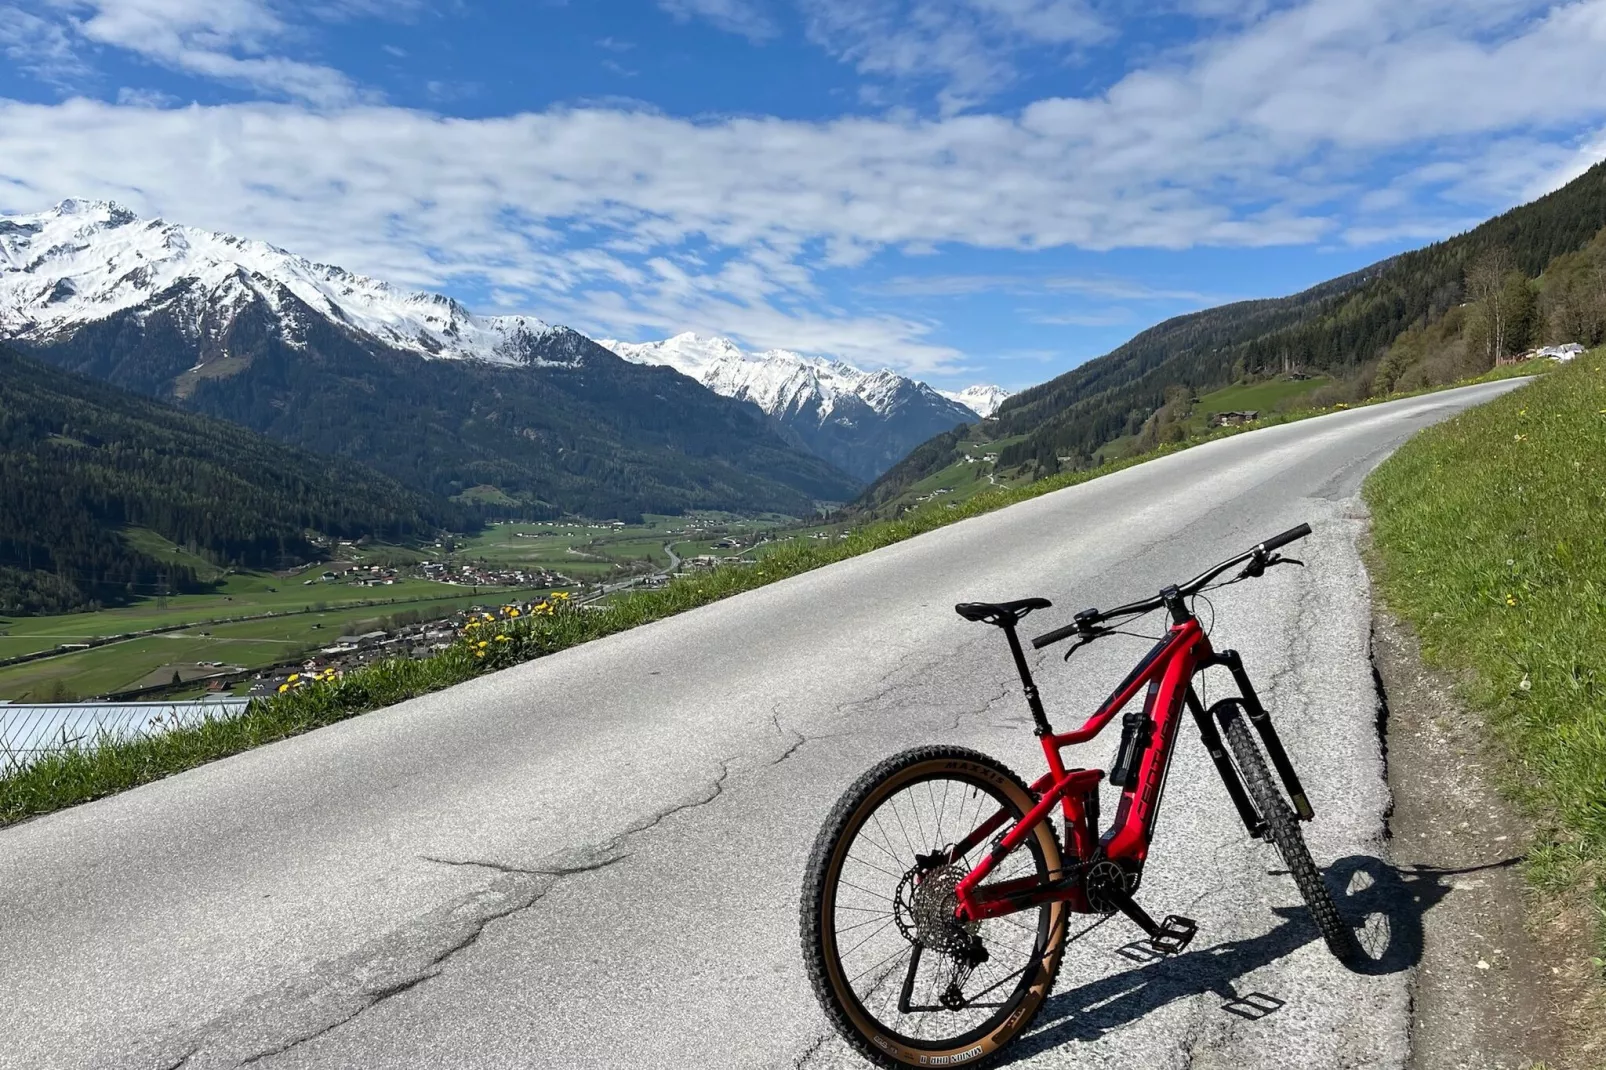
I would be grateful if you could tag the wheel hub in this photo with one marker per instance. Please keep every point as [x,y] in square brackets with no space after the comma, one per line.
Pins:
[924,907]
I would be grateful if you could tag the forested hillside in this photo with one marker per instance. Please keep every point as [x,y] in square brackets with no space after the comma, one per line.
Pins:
[577,429]
[1534,274]
[81,461]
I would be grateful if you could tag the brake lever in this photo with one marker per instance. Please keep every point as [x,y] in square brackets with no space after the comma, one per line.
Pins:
[1257,567]
[1086,638]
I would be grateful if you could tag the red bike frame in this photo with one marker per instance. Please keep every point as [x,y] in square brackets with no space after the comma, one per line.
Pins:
[1169,670]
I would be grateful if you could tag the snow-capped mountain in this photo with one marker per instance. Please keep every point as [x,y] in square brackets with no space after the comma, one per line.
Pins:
[505,411]
[83,261]
[862,421]
[981,399]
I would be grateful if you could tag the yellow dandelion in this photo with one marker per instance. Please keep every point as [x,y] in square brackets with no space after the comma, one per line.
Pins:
[564,595]
[513,612]
[501,639]
[479,653]
[1511,599]
[294,677]
[283,688]
[484,644]
[489,617]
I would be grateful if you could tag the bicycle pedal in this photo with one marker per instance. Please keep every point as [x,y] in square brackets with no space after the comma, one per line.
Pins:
[1176,933]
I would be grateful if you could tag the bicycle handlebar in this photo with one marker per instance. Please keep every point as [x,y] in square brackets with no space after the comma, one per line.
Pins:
[1089,619]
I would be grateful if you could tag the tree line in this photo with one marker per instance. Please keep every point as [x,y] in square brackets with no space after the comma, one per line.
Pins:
[81,462]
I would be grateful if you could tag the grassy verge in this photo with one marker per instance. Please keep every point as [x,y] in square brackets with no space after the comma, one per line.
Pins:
[81,775]
[1490,538]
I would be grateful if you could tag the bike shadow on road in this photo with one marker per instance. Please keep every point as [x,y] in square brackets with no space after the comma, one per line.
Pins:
[1387,903]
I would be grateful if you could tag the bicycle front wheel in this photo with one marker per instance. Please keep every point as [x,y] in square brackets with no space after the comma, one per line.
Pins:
[903,980]
[1282,829]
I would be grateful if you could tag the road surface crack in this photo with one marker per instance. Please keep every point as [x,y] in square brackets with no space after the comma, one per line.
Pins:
[808,1053]
[556,871]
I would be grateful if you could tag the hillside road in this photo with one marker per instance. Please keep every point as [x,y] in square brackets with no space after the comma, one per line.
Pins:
[593,860]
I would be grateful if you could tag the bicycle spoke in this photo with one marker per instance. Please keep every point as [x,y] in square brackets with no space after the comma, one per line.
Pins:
[878,869]
[881,913]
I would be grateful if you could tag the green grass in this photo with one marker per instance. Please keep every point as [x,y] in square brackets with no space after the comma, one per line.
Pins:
[1263,397]
[1490,539]
[246,644]
[78,776]
[153,545]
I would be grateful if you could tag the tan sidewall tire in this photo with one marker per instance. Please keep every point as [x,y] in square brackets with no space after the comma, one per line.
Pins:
[951,761]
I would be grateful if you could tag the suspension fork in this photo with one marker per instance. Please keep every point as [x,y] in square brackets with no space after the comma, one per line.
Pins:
[1224,766]
[1268,732]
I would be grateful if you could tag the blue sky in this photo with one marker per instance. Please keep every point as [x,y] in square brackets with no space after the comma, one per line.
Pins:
[966,190]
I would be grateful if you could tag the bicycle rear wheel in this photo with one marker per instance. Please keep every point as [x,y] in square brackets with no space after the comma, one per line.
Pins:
[1282,827]
[900,978]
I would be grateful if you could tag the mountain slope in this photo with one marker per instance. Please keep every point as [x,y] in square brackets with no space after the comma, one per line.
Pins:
[982,399]
[1339,327]
[86,260]
[80,460]
[537,417]
[863,422]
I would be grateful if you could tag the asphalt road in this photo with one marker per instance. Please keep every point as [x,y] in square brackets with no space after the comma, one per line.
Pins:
[593,860]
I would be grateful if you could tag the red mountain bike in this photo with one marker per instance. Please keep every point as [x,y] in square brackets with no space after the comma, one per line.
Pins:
[936,905]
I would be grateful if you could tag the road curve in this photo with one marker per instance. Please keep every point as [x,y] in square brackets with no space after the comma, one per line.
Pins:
[593,860]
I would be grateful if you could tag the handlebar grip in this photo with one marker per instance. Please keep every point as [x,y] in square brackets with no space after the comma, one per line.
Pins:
[1055,636]
[1286,537]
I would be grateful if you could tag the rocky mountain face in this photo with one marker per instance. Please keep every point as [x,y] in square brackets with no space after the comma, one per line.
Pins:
[509,412]
[861,421]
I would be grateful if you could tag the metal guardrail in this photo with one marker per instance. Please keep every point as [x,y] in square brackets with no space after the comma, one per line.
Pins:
[31,731]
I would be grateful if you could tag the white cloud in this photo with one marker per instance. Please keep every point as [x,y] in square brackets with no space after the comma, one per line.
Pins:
[745,17]
[145,98]
[39,46]
[238,42]
[1091,286]
[967,44]
[622,217]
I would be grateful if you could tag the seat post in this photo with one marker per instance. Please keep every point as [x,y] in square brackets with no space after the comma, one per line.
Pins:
[1026,681]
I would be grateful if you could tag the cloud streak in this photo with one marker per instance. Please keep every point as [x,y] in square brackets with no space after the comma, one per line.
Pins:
[631,219]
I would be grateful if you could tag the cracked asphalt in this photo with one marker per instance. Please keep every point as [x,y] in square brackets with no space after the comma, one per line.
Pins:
[593,860]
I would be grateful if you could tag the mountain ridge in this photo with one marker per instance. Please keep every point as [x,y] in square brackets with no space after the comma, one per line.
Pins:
[862,421]
[1353,327]
[443,401]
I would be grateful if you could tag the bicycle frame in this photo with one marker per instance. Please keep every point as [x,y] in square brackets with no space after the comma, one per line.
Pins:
[1168,671]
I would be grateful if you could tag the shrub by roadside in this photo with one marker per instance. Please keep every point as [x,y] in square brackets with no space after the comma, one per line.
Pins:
[1490,539]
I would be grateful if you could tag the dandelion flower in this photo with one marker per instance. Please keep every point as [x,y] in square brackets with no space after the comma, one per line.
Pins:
[1511,599]
[283,688]
[294,677]
[513,612]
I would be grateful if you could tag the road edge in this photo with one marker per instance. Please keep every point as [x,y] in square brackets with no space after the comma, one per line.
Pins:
[1503,983]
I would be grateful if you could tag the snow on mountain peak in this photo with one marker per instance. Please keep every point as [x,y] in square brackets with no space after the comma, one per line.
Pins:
[777,380]
[981,399]
[84,260]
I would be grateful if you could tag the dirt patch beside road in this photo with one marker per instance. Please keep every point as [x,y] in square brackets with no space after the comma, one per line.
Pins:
[1505,983]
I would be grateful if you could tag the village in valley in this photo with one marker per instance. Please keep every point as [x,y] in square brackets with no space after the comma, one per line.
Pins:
[365,602]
